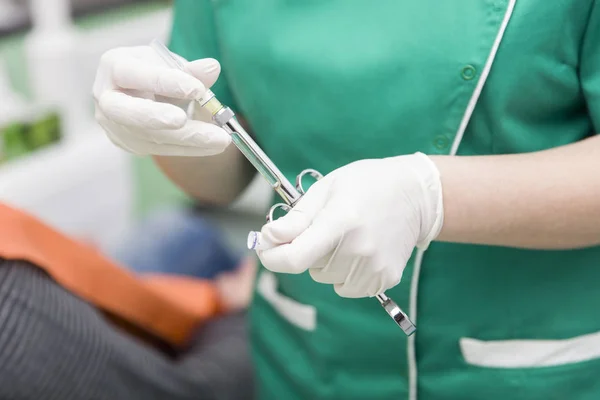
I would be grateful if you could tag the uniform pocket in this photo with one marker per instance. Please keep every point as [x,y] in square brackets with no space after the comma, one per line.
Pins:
[530,353]
[301,315]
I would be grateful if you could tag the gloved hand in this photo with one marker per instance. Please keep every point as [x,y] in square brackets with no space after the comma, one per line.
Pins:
[145,107]
[356,228]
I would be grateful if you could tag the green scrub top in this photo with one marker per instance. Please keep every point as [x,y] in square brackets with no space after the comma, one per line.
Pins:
[323,83]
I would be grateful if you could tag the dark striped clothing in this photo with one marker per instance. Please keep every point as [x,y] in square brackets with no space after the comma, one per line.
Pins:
[54,346]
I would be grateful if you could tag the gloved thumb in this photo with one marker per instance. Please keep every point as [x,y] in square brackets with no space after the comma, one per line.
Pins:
[287,228]
[207,70]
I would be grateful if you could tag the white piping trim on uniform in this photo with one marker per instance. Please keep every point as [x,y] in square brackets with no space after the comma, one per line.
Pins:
[530,353]
[414,285]
[484,75]
[412,310]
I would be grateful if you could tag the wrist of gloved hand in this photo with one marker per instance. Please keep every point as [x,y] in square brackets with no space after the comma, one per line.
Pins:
[432,204]
[357,227]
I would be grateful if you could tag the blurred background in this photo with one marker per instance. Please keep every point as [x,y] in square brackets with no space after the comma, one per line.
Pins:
[56,163]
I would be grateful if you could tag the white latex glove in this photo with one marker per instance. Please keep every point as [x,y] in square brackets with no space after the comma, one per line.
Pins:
[357,227]
[145,107]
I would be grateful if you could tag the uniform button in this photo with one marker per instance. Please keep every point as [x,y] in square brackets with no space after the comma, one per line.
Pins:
[468,72]
[441,142]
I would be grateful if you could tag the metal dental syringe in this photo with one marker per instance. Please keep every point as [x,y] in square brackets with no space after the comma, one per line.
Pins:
[291,194]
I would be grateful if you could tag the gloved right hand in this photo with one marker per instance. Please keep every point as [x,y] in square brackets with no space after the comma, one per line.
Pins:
[146,108]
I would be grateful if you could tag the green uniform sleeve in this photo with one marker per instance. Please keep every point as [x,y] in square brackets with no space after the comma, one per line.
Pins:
[590,65]
[194,36]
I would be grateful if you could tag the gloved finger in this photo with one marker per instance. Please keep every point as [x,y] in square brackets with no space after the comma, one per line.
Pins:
[287,228]
[108,126]
[139,112]
[327,269]
[205,69]
[137,74]
[193,133]
[363,282]
[349,291]
[360,281]
[328,276]
[319,239]
[140,146]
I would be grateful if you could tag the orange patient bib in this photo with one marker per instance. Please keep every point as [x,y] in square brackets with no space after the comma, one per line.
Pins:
[165,307]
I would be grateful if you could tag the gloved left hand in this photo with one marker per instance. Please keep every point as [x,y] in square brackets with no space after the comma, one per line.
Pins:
[357,227]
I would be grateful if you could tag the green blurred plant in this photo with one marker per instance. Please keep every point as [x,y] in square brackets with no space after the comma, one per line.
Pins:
[24,137]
